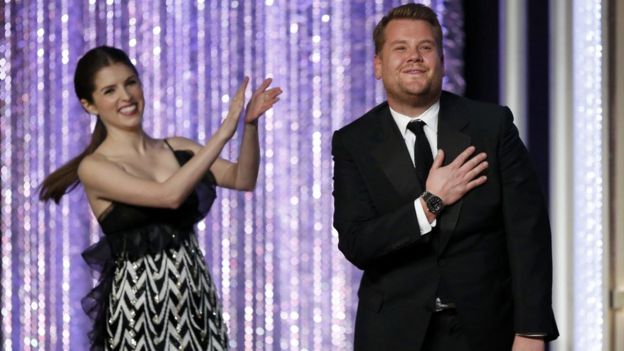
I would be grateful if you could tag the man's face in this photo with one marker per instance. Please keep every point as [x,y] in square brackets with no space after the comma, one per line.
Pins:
[410,63]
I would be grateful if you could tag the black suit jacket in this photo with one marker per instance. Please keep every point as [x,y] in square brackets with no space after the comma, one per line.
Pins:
[490,253]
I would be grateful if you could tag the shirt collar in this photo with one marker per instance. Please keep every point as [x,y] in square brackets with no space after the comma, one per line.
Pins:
[430,117]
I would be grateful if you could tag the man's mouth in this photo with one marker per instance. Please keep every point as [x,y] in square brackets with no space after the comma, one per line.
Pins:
[414,71]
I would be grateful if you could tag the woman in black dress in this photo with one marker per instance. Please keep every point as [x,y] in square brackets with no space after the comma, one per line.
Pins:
[155,292]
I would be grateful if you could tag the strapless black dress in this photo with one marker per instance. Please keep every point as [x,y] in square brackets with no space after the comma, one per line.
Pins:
[154,292]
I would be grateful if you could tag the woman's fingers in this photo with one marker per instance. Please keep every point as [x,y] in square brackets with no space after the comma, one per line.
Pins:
[274,92]
[241,90]
[265,84]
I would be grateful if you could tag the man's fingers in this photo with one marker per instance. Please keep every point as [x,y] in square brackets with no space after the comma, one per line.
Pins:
[473,162]
[461,158]
[475,183]
[439,159]
[474,172]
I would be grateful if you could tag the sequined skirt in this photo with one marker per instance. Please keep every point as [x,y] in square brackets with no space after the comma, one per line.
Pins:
[163,299]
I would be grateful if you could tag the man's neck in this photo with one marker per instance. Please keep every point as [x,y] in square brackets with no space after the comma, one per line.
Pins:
[410,111]
[413,108]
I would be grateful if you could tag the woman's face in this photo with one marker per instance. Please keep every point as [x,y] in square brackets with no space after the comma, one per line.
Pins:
[117,98]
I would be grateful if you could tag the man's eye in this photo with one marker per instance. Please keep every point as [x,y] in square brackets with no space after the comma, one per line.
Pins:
[132,82]
[108,91]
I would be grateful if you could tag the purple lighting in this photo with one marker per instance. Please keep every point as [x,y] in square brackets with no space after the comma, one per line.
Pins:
[272,253]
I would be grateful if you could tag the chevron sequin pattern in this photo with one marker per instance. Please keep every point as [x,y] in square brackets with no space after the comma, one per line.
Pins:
[165,301]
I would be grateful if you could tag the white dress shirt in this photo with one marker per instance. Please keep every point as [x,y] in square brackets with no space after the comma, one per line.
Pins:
[430,117]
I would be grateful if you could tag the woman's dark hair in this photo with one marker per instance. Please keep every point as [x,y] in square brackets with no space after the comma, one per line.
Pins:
[65,179]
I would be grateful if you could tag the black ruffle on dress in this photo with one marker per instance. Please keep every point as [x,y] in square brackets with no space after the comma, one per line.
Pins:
[154,292]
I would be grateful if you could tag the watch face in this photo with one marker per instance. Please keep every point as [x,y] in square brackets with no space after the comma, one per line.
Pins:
[434,204]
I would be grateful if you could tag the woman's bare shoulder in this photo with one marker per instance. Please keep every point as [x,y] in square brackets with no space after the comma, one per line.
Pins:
[95,163]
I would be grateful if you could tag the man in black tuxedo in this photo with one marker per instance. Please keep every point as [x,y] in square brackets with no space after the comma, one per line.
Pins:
[455,250]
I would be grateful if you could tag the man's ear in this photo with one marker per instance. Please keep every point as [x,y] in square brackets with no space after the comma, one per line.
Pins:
[377,64]
[88,107]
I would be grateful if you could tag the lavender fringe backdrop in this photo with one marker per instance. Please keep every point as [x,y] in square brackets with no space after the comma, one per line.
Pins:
[273,252]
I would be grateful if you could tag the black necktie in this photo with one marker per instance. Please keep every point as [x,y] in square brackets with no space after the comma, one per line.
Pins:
[422,151]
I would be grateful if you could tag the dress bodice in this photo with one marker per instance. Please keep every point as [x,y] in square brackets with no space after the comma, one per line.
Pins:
[133,231]
[121,217]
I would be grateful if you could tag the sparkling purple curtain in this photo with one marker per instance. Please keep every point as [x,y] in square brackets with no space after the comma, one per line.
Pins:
[273,252]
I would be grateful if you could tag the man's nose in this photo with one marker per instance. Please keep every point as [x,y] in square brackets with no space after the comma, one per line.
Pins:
[414,55]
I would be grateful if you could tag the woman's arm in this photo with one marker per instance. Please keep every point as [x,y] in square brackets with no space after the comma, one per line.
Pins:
[243,174]
[109,181]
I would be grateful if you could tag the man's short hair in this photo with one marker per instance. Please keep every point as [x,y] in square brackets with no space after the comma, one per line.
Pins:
[407,11]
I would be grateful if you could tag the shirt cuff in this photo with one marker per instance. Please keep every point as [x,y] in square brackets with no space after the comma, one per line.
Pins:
[532,335]
[423,223]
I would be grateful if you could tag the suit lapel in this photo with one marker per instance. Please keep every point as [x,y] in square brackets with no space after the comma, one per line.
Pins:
[451,139]
[391,154]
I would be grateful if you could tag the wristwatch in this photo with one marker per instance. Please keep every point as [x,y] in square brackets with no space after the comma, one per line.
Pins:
[433,202]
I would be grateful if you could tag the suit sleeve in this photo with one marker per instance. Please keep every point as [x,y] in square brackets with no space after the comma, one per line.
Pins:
[528,236]
[365,235]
